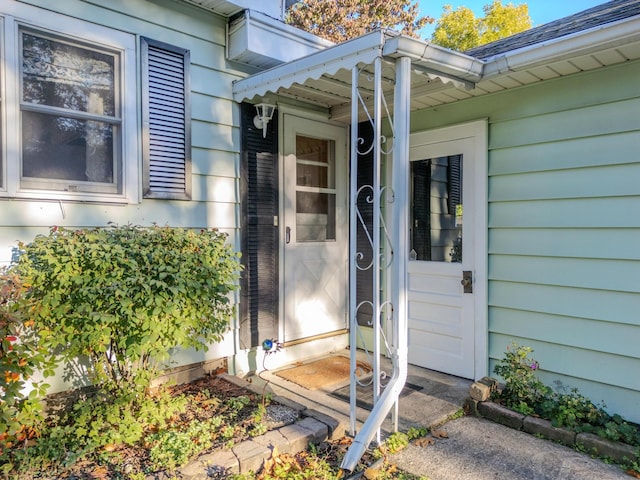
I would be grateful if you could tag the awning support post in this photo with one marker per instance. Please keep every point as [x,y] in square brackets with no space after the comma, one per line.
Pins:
[392,257]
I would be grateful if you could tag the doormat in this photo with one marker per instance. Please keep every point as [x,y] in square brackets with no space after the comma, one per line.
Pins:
[364,394]
[322,373]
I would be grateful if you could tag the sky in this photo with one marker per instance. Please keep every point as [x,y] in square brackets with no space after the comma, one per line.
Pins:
[540,11]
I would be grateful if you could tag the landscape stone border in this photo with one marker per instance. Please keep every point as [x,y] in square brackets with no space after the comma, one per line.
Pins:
[479,404]
[311,427]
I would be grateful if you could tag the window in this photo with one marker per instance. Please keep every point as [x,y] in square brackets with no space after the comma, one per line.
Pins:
[315,190]
[70,108]
[69,115]
[166,121]
[436,213]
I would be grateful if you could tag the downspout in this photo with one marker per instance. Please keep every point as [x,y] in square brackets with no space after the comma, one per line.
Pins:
[400,173]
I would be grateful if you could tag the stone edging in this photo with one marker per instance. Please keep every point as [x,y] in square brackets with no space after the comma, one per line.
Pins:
[312,427]
[478,404]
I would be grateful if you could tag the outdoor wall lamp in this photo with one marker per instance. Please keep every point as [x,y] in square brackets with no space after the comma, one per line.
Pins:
[261,120]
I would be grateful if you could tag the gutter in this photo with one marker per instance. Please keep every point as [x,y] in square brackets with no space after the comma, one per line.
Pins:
[597,39]
[435,59]
[381,409]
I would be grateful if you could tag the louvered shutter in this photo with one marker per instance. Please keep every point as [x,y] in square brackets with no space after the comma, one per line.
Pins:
[454,182]
[364,278]
[259,190]
[421,214]
[166,121]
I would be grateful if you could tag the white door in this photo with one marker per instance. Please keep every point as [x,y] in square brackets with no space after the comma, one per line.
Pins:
[315,214]
[444,221]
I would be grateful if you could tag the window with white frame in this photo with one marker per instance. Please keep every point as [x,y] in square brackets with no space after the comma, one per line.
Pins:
[70,115]
[73,111]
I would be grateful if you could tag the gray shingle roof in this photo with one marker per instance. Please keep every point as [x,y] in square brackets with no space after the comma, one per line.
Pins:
[599,15]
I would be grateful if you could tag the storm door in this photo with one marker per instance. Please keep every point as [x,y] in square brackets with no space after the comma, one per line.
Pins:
[315,223]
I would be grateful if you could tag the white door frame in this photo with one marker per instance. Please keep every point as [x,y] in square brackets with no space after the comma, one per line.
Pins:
[305,123]
[477,132]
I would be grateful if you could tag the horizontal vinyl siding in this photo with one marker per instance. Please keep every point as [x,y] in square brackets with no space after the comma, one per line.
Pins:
[215,134]
[570,286]
[564,227]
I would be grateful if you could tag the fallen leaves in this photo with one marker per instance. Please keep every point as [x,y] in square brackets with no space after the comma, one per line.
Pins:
[430,440]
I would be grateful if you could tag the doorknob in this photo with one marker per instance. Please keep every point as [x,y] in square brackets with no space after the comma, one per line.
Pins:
[467,281]
[287,235]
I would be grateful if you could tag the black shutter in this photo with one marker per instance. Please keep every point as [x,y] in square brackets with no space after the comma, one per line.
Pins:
[421,215]
[364,278]
[259,189]
[454,182]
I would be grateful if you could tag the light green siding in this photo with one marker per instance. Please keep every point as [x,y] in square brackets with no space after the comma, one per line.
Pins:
[564,227]
[215,130]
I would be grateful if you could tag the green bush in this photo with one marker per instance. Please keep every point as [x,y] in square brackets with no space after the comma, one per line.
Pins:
[121,298]
[21,355]
[523,390]
[525,393]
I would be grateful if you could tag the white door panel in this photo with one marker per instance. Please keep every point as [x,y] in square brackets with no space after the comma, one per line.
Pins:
[315,217]
[441,316]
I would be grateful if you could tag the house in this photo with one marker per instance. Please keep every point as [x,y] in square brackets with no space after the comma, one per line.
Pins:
[504,180]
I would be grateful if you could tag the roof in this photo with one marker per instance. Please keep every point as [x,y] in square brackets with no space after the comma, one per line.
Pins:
[603,14]
[605,35]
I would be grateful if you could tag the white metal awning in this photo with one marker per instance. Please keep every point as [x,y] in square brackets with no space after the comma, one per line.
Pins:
[439,76]
[324,78]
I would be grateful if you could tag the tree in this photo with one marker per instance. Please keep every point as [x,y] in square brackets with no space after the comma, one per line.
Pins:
[340,20]
[460,29]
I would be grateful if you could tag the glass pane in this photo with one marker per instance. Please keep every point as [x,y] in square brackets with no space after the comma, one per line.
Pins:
[66,149]
[315,162]
[437,208]
[67,76]
[315,217]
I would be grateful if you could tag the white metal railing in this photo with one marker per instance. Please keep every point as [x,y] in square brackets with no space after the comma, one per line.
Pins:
[389,250]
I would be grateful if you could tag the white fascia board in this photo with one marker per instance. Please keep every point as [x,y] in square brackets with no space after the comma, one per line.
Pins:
[273,8]
[565,48]
[346,55]
[435,59]
[257,39]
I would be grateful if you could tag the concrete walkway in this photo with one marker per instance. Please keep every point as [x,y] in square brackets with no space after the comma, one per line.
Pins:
[473,448]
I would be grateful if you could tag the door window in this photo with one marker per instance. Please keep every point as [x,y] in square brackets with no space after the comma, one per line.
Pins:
[315,190]
[437,208]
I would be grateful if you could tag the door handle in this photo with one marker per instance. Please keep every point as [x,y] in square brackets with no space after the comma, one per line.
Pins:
[467,281]
[287,235]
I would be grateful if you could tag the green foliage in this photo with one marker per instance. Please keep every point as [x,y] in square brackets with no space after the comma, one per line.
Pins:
[414,433]
[173,448]
[523,390]
[341,20]
[460,29]
[525,393]
[124,297]
[91,426]
[501,21]
[396,442]
[21,355]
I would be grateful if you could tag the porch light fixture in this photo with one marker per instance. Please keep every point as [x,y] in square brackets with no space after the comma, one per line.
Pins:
[265,113]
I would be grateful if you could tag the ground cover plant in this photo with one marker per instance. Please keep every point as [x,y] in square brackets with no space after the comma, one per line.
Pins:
[176,425]
[525,393]
[96,439]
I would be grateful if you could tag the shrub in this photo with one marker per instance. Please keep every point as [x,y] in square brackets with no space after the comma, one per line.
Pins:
[525,393]
[123,297]
[21,413]
[523,390]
